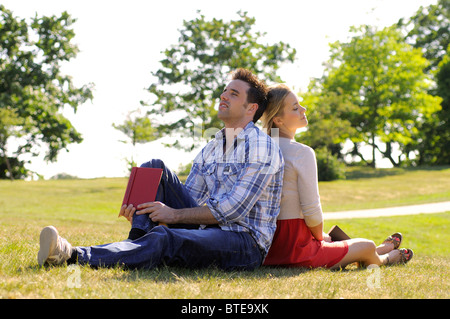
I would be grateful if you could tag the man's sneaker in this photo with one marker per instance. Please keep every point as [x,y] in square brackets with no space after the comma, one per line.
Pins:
[53,248]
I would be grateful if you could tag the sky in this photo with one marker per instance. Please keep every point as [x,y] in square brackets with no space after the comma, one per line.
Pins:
[120,46]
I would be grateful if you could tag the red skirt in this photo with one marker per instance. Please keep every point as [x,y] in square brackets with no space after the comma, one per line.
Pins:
[294,246]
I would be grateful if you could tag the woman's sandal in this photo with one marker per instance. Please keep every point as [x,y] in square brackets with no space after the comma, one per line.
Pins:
[395,239]
[406,255]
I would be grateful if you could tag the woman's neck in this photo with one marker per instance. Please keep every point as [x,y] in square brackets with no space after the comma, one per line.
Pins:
[285,134]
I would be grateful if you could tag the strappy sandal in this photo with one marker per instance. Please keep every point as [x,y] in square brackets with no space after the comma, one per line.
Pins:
[406,255]
[395,239]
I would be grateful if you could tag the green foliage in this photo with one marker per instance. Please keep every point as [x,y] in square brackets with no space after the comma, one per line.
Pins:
[329,168]
[383,76]
[138,129]
[194,71]
[434,146]
[328,119]
[429,30]
[12,168]
[32,86]
[8,120]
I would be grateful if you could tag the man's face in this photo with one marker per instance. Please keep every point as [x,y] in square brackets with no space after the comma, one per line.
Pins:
[233,102]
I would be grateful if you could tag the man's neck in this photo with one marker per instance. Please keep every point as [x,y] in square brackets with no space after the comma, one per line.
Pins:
[232,131]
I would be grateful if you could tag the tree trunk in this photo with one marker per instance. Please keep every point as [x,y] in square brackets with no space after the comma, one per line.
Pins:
[8,166]
[373,150]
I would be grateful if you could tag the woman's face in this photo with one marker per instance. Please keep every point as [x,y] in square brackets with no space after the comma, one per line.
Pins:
[294,116]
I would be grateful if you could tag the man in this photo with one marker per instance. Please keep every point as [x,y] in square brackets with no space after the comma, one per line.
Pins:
[233,191]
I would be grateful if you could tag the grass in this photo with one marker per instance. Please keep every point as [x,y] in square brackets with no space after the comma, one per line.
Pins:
[426,276]
[85,212]
[369,188]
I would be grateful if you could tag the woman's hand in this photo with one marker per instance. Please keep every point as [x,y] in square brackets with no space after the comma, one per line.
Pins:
[327,238]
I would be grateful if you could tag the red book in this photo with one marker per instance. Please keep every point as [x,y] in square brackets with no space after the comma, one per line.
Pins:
[142,185]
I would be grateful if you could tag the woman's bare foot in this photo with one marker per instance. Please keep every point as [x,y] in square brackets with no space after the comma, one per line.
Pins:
[399,256]
[393,257]
[392,242]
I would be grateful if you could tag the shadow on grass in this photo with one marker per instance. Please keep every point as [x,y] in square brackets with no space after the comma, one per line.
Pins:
[356,172]
[168,274]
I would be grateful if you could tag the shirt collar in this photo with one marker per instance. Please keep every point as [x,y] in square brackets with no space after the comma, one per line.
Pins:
[221,134]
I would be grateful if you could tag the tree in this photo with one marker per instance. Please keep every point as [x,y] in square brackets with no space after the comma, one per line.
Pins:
[193,72]
[8,122]
[435,137]
[328,123]
[381,74]
[32,86]
[138,129]
[429,30]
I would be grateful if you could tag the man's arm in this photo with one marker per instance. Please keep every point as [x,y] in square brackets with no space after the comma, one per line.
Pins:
[162,213]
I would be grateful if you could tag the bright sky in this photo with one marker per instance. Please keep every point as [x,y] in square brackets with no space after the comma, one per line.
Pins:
[120,45]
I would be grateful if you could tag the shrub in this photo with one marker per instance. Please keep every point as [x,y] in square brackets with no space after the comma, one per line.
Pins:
[328,166]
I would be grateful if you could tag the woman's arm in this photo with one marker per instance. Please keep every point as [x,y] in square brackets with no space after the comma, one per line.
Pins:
[308,189]
[317,231]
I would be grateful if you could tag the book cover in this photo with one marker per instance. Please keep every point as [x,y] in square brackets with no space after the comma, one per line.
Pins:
[142,185]
[337,234]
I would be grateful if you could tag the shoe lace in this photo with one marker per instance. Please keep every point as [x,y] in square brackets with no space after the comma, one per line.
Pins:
[62,251]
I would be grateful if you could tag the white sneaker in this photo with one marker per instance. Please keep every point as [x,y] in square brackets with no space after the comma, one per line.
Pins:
[53,248]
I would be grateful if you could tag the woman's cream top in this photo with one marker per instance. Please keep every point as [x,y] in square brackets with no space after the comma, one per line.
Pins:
[300,197]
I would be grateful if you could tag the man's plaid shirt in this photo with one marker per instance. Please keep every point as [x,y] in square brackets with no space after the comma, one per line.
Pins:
[242,186]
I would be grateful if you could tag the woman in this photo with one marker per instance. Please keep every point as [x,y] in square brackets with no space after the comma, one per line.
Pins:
[299,239]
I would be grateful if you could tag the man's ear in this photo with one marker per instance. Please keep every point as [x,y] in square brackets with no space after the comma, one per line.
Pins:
[252,108]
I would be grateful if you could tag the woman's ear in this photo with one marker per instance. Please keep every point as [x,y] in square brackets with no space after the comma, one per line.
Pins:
[278,121]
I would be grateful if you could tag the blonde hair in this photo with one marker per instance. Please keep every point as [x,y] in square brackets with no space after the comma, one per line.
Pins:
[275,105]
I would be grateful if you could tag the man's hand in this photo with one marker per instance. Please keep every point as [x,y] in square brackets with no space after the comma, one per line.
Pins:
[127,212]
[159,212]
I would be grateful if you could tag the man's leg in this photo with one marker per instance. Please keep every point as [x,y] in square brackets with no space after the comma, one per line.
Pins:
[171,191]
[191,248]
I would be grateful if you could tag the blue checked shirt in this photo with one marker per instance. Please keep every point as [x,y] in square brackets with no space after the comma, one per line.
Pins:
[242,186]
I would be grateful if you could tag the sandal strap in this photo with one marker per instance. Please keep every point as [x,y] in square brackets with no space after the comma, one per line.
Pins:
[406,254]
[395,239]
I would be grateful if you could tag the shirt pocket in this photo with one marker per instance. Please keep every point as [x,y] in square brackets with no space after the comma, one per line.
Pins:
[209,169]
[209,174]
[230,175]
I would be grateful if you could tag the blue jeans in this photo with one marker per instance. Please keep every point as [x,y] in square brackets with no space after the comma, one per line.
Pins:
[170,192]
[161,245]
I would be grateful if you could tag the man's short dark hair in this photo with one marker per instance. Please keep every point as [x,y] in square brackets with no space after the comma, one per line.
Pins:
[257,93]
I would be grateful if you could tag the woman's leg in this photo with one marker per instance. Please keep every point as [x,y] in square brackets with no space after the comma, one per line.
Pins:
[361,250]
[385,248]
[365,251]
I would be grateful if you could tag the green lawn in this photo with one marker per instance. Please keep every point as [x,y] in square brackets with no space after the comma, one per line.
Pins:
[369,188]
[85,212]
